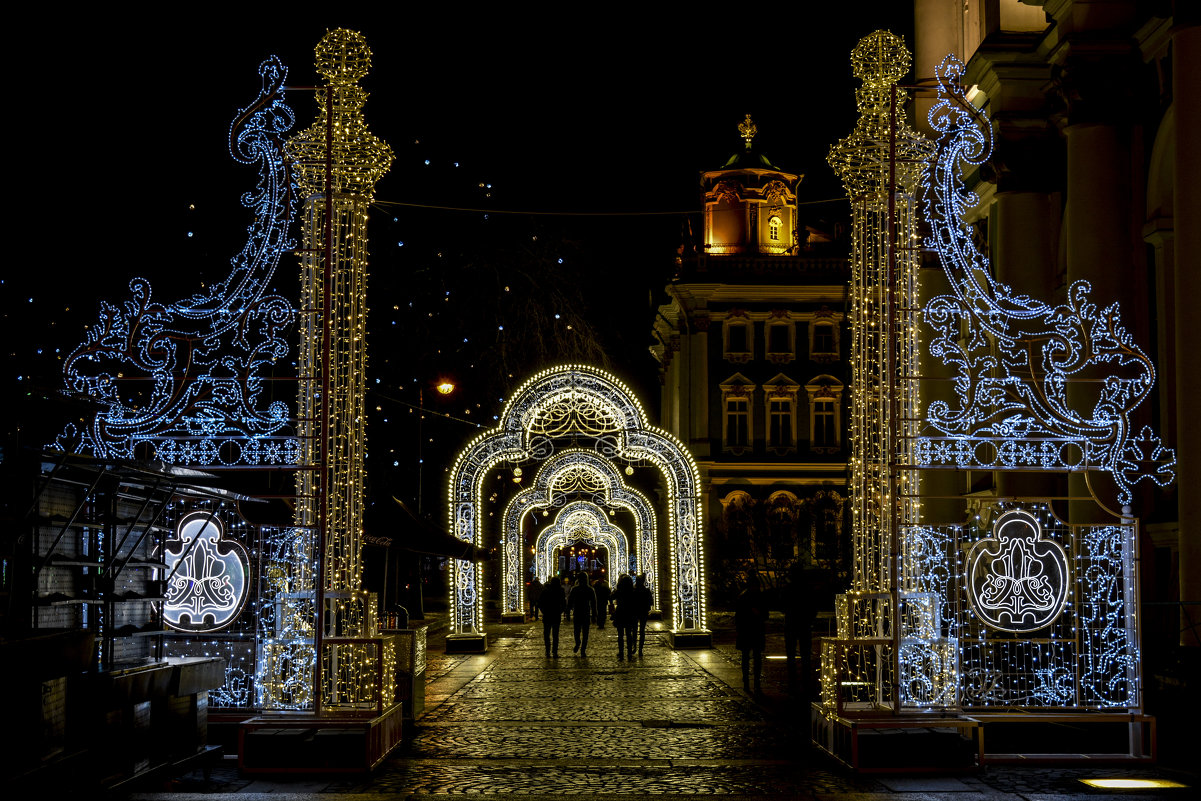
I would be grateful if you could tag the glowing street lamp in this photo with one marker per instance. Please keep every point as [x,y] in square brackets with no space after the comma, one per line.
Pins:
[444,387]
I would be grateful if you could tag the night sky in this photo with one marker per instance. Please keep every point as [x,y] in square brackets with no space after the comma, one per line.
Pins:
[598,119]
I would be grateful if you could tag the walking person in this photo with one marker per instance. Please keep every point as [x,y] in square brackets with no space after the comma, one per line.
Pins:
[623,615]
[581,602]
[532,594]
[643,601]
[601,588]
[750,626]
[552,601]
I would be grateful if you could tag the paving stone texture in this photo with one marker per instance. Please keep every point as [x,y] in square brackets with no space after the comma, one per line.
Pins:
[516,723]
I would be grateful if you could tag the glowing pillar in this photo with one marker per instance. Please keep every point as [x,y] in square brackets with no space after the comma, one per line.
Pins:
[337,163]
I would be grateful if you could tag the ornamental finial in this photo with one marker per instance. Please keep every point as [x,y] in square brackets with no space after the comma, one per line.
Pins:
[748,129]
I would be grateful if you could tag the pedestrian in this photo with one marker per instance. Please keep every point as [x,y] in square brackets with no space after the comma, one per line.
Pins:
[601,588]
[552,602]
[643,601]
[750,626]
[802,597]
[534,591]
[582,602]
[623,615]
[568,583]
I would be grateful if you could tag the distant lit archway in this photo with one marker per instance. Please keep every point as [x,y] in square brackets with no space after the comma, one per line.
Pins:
[581,521]
[563,408]
[567,476]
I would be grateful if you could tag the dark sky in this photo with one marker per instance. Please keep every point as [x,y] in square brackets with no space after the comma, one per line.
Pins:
[590,109]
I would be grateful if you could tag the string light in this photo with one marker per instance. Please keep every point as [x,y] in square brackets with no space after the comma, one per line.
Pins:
[183,382]
[567,475]
[337,162]
[568,402]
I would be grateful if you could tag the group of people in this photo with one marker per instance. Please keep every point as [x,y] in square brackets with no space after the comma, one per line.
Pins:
[586,603]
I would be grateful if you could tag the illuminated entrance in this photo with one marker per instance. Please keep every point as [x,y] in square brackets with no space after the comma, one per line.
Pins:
[576,409]
[584,522]
[568,476]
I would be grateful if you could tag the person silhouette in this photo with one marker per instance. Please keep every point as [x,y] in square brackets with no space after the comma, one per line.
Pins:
[750,626]
[552,601]
[582,603]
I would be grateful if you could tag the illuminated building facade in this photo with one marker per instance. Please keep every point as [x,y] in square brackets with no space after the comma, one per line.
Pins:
[752,348]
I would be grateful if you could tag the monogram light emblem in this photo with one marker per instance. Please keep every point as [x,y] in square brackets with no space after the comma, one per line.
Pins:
[1017,581]
[209,584]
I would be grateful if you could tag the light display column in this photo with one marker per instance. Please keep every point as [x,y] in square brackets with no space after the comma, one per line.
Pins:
[337,163]
[881,165]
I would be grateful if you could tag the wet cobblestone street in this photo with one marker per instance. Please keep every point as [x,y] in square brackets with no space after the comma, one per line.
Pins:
[514,723]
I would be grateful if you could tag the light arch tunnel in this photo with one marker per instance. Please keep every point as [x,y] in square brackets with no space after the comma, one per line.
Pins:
[577,423]
[569,478]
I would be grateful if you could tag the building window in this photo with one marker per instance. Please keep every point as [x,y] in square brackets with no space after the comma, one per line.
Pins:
[773,229]
[779,420]
[738,423]
[781,409]
[824,433]
[825,414]
[737,339]
[780,336]
[824,335]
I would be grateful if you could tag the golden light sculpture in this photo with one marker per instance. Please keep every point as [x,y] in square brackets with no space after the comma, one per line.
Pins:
[336,164]
[881,165]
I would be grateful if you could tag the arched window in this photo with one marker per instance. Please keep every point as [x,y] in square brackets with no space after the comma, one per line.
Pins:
[773,228]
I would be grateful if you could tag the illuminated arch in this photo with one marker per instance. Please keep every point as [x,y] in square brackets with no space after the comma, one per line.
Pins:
[568,475]
[579,403]
[581,520]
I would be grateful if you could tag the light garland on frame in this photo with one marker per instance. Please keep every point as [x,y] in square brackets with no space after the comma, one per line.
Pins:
[578,401]
[1019,355]
[580,521]
[566,475]
[197,365]
[337,163]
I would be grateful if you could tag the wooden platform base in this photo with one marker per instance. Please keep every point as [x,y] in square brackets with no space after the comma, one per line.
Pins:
[466,643]
[900,744]
[305,744]
[512,617]
[1068,738]
[690,640]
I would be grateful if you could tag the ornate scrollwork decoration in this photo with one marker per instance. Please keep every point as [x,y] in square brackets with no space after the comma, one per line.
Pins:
[1018,356]
[187,377]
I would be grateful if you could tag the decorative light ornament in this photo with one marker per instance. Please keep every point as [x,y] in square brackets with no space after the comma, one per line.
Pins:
[1016,580]
[572,403]
[183,383]
[337,162]
[208,575]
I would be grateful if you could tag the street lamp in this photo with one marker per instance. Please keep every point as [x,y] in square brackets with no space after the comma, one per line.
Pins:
[444,387]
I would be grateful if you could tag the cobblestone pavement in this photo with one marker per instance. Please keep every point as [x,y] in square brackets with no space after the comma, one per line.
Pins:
[513,722]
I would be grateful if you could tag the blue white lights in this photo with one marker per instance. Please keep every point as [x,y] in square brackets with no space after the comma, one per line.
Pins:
[207,583]
[183,382]
[1015,357]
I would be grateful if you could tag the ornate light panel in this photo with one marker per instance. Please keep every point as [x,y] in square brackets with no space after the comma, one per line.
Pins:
[1017,581]
[209,575]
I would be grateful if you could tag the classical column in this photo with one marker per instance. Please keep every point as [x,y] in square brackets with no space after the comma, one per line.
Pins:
[1186,72]
[937,31]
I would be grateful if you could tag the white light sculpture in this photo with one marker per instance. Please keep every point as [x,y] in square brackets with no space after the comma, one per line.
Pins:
[207,575]
[570,474]
[1016,580]
[558,408]
[580,521]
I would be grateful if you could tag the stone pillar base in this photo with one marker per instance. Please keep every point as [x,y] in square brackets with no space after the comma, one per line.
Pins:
[512,617]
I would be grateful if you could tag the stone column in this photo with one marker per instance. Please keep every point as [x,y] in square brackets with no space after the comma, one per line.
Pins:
[1186,72]
[937,31]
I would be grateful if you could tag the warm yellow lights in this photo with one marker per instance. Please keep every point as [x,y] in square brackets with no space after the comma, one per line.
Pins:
[445,388]
[1133,784]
